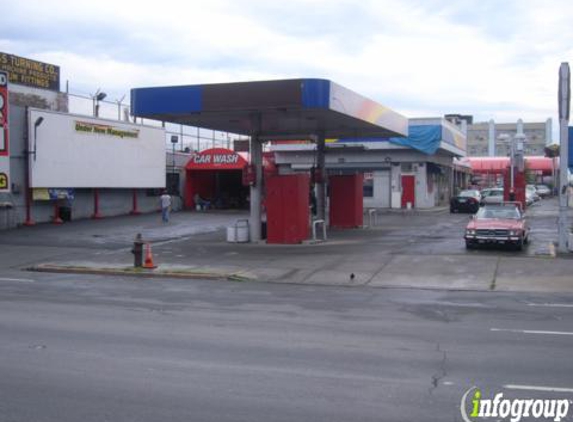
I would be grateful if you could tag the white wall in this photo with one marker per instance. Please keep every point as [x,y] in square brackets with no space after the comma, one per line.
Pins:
[381,190]
[421,186]
[396,187]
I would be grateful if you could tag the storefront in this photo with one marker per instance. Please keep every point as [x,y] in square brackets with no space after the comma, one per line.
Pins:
[416,171]
[489,171]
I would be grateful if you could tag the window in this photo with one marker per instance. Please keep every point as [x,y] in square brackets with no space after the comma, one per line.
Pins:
[406,167]
[368,185]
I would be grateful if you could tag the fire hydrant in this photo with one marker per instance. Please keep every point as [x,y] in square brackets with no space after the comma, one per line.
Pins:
[137,251]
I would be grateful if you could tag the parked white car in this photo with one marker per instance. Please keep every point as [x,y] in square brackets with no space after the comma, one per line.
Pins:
[492,196]
[542,190]
[531,194]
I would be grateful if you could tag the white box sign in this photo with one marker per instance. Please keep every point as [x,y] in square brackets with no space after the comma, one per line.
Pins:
[71,151]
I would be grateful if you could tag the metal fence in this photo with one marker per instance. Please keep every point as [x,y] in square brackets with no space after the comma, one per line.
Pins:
[189,138]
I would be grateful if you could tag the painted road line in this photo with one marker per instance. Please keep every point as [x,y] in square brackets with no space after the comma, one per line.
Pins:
[552,305]
[538,388]
[22,280]
[555,333]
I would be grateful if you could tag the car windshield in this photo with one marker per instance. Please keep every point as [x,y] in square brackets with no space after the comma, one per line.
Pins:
[468,193]
[499,212]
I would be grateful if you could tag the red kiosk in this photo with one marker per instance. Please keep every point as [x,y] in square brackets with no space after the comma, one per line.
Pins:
[346,201]
[287,205]
[519,182]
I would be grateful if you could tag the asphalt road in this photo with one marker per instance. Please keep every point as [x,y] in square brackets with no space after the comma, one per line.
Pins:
[86,348]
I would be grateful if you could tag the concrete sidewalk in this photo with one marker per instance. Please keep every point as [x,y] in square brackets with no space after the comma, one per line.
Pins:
[420,251]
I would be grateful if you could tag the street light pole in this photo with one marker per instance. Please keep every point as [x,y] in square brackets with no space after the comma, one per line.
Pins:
[564,104]
[174,140]
[96,98]
[505,138]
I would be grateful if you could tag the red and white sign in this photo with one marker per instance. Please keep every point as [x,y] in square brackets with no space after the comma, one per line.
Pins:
[4,139]
[216,159]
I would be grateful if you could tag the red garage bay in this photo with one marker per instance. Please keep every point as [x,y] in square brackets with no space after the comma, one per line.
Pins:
[215,175]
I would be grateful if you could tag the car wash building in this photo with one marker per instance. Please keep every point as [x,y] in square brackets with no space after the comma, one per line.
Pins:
[215,176]
[416,171]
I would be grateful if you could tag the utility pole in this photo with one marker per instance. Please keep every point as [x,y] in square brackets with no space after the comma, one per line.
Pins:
[512,169]
[322,176]
[564,105]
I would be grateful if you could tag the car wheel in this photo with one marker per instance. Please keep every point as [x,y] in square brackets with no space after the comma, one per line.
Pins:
[469,245]
[519,245]
[452,211]
[526,240]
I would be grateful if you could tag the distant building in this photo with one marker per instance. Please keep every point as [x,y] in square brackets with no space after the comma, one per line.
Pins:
[459,119]
[488,139]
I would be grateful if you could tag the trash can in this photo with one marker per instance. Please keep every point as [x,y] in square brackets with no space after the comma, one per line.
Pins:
[239,232]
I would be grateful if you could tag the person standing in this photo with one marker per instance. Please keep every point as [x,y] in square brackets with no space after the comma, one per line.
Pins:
[165,206]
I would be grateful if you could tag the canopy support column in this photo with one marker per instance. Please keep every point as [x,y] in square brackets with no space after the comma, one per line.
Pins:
[321,180]
[256,189]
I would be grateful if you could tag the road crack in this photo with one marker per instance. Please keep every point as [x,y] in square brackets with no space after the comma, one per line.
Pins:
[442,372]
[492,286]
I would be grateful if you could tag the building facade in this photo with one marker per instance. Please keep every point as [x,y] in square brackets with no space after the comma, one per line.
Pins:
[417,171]
[57,166]
[491,139]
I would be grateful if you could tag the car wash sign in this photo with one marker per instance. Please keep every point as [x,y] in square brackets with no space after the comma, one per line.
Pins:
[216,159]
[4,144]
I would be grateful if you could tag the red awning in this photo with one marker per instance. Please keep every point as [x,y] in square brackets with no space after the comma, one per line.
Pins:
[489,165]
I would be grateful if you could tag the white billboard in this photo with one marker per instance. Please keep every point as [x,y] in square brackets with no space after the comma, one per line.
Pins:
[71,151]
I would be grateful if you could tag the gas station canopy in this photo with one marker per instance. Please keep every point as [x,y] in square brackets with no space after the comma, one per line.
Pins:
[279,109]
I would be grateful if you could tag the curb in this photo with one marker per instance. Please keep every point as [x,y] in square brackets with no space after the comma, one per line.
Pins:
[239,278]
[413,211]
[134,272]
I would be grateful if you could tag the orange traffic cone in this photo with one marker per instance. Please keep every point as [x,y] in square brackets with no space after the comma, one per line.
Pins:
[148,257]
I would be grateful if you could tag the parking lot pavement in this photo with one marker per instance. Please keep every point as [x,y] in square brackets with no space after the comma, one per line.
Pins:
[415,250]
[534,275]
[437,271]
[117,232]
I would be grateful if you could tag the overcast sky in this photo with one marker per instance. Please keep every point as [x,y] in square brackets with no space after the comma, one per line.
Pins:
[491,58]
